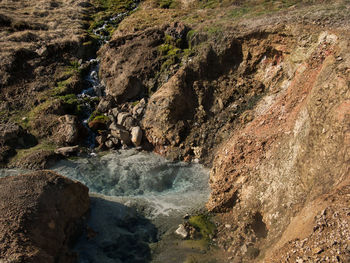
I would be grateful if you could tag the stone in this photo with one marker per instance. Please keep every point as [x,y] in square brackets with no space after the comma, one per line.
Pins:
[129,122]
[105,104]
[123,135]
[47,209]
[109,144]
[121,117]
[67,151]
[37,159]
[100,139]
[181,231]
[115,126]
[68,130]
[136,136]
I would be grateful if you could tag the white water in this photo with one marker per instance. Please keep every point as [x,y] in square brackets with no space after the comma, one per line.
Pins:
[132,194]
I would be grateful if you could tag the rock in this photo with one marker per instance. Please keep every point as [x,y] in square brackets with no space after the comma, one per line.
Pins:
[136,136]
[5,153]
[105,104]
[101,139]
[67,151]
[135,60]
[129,122]
[40,214]
[123,135]
[114,112]
[69,130]
[181,231]
[177,30]
[139,108]
[115,126]
[109,144]
[115,141]
[15,136]
[122,117]
[38,159]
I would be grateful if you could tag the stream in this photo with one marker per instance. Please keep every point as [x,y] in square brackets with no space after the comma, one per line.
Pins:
[136,199]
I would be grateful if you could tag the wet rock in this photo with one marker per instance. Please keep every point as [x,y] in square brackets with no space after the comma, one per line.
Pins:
[136,136]
[67,151]
[181,231]
[48,210]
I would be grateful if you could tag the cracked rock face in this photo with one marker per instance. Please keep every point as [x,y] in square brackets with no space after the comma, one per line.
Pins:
[40,215]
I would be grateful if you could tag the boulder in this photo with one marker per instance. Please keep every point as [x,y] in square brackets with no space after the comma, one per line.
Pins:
[136,136]
[68,131]
[67,151]
[14,135]
[40,215]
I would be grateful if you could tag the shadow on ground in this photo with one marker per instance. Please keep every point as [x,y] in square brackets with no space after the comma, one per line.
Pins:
[115,233]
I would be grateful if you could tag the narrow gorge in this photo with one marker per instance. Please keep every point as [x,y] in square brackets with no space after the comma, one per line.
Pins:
[175,131]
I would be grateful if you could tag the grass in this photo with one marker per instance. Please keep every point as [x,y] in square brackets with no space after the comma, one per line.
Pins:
[22,153]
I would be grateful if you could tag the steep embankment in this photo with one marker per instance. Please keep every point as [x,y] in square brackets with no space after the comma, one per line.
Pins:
[268,102]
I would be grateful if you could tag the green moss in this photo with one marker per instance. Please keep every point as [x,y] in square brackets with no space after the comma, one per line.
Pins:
[101,118]
[97,116]
[203,224]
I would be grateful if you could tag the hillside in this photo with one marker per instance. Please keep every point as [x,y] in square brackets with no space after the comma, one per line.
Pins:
[256,90]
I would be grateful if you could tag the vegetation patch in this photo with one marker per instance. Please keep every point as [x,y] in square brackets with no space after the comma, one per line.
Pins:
[108,16]
[203,225]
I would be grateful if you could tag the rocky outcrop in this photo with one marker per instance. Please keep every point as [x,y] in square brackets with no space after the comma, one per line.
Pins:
[135,60]
[40,214]
[13,136]
[296,146]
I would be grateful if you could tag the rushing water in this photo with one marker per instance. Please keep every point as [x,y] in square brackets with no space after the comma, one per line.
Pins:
[135,197]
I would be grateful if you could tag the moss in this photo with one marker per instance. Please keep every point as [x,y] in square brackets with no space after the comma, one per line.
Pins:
[101,118]
[97,116]
[203,224]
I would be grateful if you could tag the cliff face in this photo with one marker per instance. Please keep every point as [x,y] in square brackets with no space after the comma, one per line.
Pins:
[41,214]
[297,146]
